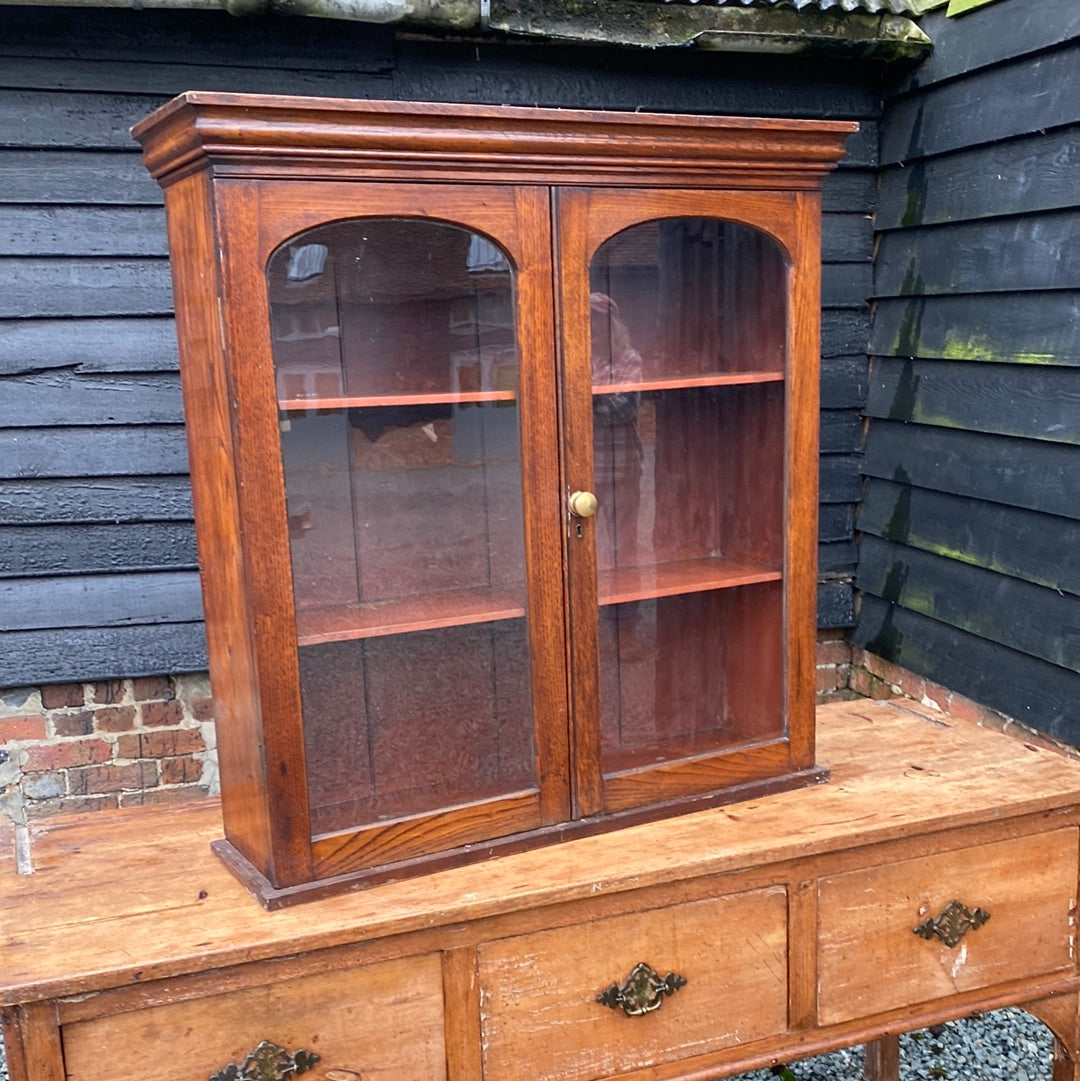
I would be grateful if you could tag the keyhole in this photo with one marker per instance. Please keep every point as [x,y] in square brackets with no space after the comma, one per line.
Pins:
[579,529]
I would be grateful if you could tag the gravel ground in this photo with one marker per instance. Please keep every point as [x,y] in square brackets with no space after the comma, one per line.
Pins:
[1006,1045]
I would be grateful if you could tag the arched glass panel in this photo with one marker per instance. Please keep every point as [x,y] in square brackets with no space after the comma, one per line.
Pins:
[689,351]
[396,360]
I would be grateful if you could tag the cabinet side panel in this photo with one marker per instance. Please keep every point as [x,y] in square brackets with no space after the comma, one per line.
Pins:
[262,519]
[32,1041]
[197,287]
[803,423]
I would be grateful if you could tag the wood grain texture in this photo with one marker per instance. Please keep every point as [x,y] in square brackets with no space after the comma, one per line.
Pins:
[1031,94]
[88,345]
[1035,251]
[540,1017]
[974,464]
[995,36]
[1036,173]
[1023,616]
[1027,886]
[100,652]
[99,601]
[92,451]
[1019,328]
[97,549]
[968,776]
[1022,544]
[329,1014]
[1016,684]
[1024,401]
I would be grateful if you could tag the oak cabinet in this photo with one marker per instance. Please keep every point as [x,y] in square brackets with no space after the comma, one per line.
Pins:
[724,960]
[1017,897]
[503,433]
[942,855]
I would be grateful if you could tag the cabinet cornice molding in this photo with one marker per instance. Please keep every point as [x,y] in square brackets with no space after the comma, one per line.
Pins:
[258,136]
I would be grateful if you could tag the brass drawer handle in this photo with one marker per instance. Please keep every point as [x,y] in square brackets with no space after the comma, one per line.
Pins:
[954,922]
[268,1062]
[642,992]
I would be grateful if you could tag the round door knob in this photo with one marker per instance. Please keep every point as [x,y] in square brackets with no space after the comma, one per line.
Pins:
[583,504]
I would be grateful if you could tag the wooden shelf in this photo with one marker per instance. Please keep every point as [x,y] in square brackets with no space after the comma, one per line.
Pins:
[375,401]
[626,584]
[713,379]
[340,623]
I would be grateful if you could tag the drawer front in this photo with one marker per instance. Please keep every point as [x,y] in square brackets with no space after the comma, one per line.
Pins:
[541,1018]
[379,1021]
[870,960]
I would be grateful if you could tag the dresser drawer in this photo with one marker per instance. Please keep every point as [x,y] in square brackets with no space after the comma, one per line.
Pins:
[540,1014]
[378,1021]
[870,960]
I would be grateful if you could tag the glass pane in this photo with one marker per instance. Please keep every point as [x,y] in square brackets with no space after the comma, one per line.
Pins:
[688,347]
[396,359]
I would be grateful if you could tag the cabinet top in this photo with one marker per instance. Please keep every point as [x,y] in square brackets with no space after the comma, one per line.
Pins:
[266,136]
[133,896]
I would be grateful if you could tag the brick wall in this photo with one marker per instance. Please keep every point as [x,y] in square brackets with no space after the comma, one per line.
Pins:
[77,747]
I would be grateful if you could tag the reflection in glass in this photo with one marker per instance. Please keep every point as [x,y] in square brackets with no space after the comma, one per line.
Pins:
[688,348]
[396,360]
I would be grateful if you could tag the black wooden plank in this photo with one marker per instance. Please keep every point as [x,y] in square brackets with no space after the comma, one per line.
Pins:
[840,478]
[1024,328]
[27,551]
[82,230]
[1035,475]
[61,397]
[145,76]
[76,176]
[29,658]
[837,558]
[632,80]
[106,600]
[196,38]
[844,238]
[1010,611]
[846,285]
[1019,176]
[844,382]
[1034,94]
[999,32]
[848,190]
[76,287]
[33,502]
[844,332]
[1032,691]
[841,431]
[836,522]
[1029,401]
[1036,547]
[835,605]
[92,452]
[88,345]
[31,119]
[100,287]
[1037,251]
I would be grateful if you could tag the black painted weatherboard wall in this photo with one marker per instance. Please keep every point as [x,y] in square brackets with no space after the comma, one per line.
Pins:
[969,564]
[97,557]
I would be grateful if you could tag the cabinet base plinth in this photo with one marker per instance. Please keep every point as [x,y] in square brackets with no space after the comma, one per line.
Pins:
[273,897]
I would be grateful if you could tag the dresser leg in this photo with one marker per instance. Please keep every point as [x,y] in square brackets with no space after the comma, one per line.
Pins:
[1066,1068]
[881,1059]
[1061,1015]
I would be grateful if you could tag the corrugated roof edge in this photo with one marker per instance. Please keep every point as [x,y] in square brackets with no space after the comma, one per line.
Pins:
[853,29]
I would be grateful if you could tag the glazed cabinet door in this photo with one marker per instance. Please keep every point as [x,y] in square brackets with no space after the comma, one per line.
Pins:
[397,340]
[683,384]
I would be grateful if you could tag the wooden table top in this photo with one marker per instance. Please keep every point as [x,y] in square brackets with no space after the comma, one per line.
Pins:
[124,896]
